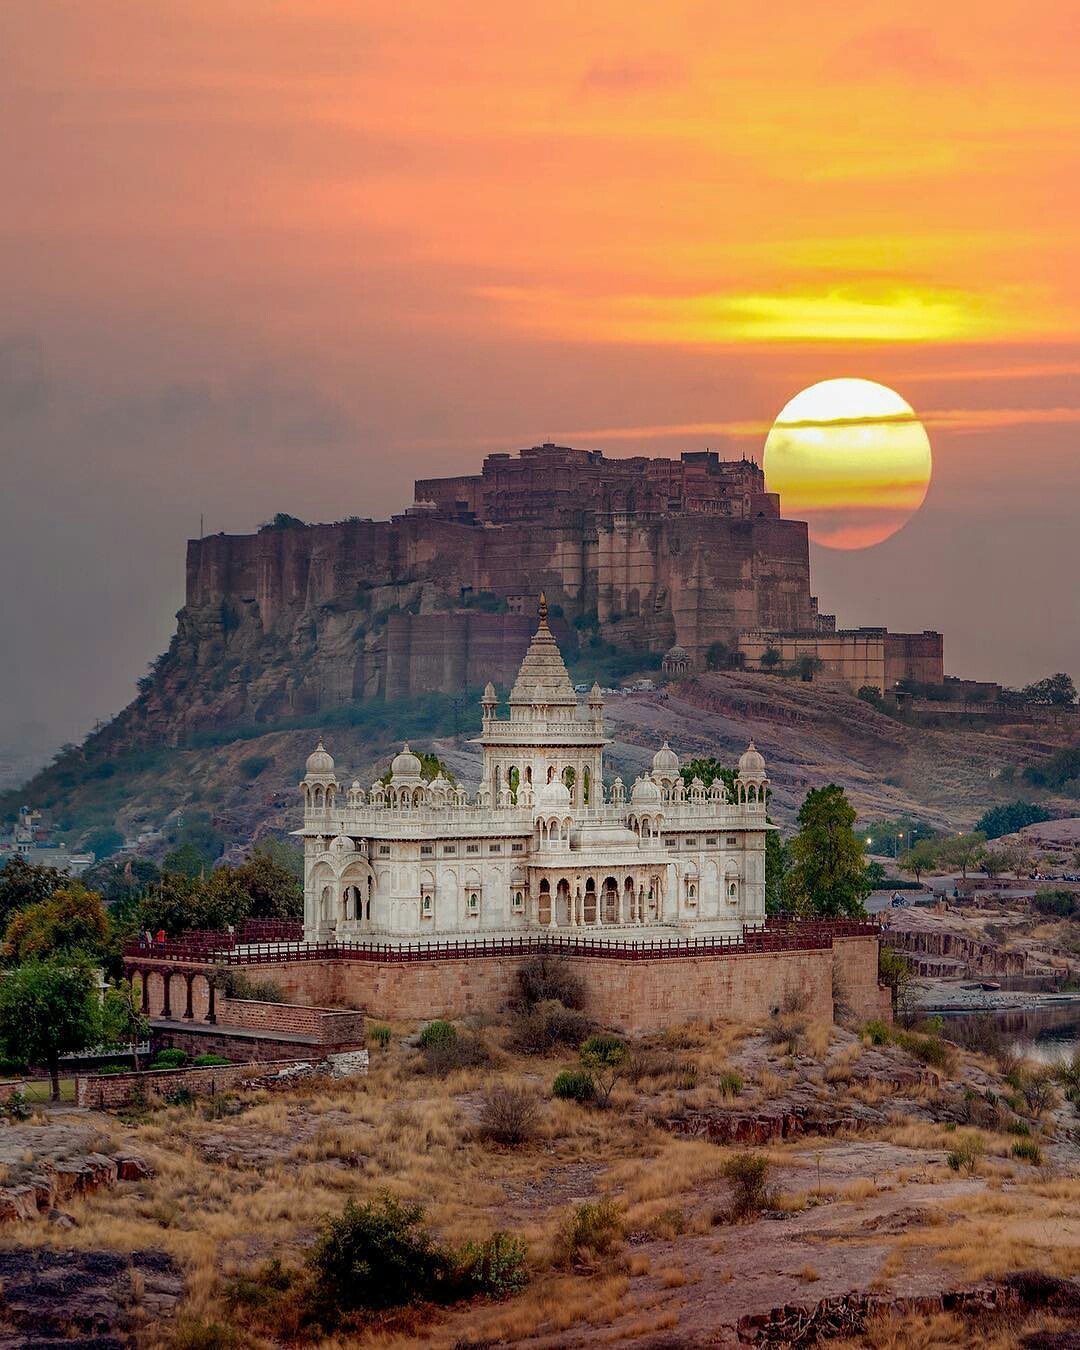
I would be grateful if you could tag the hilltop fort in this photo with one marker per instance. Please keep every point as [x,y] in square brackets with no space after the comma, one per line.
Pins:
[686,559]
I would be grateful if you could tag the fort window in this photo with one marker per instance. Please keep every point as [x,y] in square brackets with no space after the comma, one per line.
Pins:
[517,848]
[519,900]
[472,848]
[494,848]
[670,843]
[711,843]
[690,842]
[449,850]
[731,841]
[426,850]
[384,850]
[474,902]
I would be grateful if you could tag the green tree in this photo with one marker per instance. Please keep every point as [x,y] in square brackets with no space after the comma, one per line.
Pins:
[776,866]
[921,857]
[895,972]
[709,770]
[122,1019]
[119,881]
[186,860]
[171,903]
[272,890]
[604,1058]
[103,842]
[962,851]
[770,658]
[48,1009]
[1056,691]
[283,854]
[72,921]
[828,870]
[1008,819]
[23,883]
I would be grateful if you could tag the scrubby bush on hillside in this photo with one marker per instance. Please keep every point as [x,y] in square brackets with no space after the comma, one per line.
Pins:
[574,1085]
[379,1255]
[445,1049]
[547,1026]
[508,1115]
[544,978]
[748,1176]
[588,1233]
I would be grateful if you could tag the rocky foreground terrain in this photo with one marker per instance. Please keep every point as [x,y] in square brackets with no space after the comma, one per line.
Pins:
[910,1190]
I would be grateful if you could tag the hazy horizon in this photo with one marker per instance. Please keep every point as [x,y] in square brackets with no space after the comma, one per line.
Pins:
[290,258]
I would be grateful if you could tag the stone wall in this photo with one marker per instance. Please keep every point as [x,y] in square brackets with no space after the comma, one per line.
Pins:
[117,1089]
[633,995]
[322,1026]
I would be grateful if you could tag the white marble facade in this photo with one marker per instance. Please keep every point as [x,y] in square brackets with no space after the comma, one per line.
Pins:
[543,844]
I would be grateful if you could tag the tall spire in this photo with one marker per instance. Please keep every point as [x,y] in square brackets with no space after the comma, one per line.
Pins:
[543,677]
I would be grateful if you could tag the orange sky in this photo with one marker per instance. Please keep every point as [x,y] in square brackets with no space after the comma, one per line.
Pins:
[261,255]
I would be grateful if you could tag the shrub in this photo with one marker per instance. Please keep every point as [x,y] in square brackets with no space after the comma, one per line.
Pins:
[604,1058]
[180,1096]
[169,1059]
[508,1115]
[437,1033]
[965,1156]
[444,1055]
[379,1255]
[209,1061]
[588,1232]
[544,979]
[574,1085]
[495,1267]
[878,1032]
[729,1082]
[1028,1151]
[546,1026]
[376,1255]
[788,1031]
[380,1033]
[1038,1091]
[15,1107]
[748,1176]
[112,1068]
[1020,1127]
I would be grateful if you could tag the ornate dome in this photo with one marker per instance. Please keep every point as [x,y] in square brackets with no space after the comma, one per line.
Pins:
[405,765]
[320,763]
[751,763]
[645,792]
[676,653]
[665,760]
[553,795]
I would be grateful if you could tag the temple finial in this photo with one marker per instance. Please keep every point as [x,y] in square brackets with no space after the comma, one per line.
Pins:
[542,609]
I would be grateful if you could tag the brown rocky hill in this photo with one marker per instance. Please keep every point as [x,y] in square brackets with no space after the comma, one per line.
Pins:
[246,782]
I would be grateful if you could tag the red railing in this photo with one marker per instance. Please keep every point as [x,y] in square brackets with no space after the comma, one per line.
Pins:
[272,930]
[783,936]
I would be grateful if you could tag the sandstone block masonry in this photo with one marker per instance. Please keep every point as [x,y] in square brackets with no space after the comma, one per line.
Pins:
[633,993]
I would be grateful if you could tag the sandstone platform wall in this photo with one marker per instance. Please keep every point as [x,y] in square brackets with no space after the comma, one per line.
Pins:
[631,995]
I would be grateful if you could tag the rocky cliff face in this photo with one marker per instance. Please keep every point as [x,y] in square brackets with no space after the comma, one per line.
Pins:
[294,620]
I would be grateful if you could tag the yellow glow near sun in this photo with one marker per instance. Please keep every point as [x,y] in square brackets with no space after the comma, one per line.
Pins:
[851,458]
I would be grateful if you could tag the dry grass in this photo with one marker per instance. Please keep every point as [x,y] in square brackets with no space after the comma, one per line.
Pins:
[415,1136]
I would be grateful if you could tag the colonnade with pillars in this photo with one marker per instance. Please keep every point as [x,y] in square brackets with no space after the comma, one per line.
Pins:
[595,901]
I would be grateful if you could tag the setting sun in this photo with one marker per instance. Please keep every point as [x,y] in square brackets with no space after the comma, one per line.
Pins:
[850,457]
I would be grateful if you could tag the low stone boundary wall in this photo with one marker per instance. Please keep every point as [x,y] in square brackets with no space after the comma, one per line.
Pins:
[9,1089]
[119,1089]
